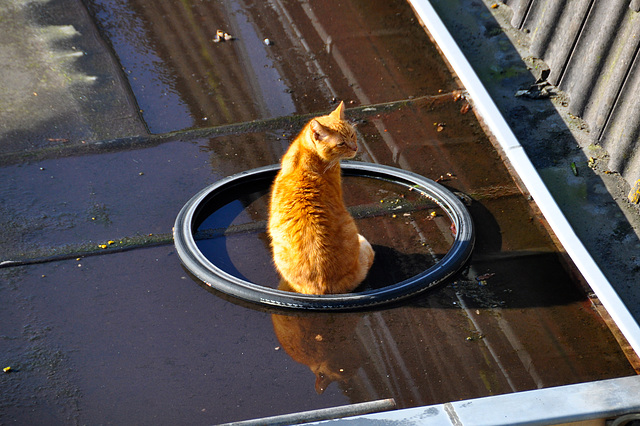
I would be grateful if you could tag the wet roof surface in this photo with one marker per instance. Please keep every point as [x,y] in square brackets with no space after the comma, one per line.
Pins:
[124,334]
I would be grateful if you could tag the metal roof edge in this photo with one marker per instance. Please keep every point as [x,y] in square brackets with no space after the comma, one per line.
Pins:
[604,399]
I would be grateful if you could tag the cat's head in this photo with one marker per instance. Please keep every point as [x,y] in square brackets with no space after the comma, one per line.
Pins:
[333,136]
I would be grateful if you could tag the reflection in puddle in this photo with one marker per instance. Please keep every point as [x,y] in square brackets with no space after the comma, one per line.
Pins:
[326,343]
[180,76]
[448,345]
[261,73]
[154,83]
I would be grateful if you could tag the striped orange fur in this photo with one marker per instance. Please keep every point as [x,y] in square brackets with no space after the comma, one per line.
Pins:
[316,245]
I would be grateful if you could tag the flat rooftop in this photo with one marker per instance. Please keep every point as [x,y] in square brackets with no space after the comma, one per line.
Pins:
[114,115]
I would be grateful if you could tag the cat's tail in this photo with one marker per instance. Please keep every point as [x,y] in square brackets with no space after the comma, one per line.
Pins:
[365,259]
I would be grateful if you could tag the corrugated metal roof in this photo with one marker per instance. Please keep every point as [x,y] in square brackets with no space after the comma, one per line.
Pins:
[591,47]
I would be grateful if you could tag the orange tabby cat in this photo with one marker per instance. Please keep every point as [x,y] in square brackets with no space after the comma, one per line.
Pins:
[316,245]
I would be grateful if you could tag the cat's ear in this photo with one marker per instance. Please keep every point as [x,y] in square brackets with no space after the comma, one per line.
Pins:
[320,132]
[339,111]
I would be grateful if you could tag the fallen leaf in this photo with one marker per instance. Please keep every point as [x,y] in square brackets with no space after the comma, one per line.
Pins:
[484,277]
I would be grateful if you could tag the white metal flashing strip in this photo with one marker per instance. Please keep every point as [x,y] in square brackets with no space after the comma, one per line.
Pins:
[598,400]
[518,158]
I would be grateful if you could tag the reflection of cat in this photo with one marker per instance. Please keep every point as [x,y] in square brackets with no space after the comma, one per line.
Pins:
[316,245]
[326,343]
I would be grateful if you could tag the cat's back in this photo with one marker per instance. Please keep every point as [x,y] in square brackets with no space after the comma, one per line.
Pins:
[302,195]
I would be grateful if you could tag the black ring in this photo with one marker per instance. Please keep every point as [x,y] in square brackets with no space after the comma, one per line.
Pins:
[210,274]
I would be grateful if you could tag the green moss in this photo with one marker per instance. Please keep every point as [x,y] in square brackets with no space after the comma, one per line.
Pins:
[74,251]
